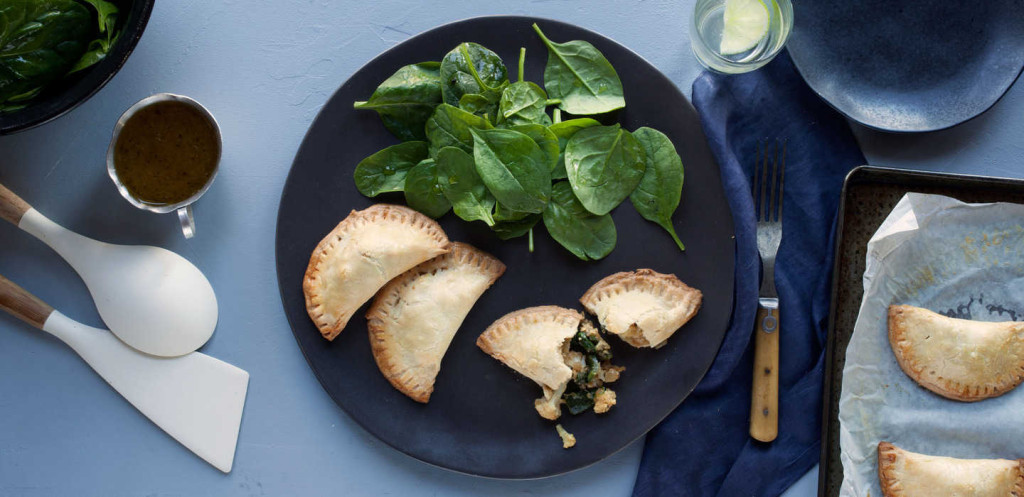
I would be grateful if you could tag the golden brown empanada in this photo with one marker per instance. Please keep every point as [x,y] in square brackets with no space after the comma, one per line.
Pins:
[903,473]
[957,358]
[365,251]
[414,318]
[539,343]
[530,341]
[644,308]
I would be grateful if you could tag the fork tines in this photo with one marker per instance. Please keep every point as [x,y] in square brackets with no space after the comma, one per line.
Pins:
[769,178]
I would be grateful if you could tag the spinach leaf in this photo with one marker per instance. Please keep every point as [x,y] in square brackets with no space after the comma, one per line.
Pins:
[450,127]
[385,171]
[471,68]
[478,105]
[579,75]
[40,41]
[564,130]
[407,99]
[513,168]
[462,186]
[604,165]
[658,194]
[507,230]
[106,15]
[422,191]
[587,236]
[523,102]
[544,138]
[502,213]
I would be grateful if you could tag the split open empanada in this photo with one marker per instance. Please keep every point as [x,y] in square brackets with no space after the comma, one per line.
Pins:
[644,308]
[903,473]
[365,251]
[560,351]
[957,358]
[414,318]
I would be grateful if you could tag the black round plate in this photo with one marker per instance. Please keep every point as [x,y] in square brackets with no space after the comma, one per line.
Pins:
[909,66]
[63,96]
[480,419]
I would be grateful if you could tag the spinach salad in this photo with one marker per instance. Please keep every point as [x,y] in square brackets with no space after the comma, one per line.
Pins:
[488,150]
[43,41]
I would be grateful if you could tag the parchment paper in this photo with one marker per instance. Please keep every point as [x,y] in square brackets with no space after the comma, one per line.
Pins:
[965,261]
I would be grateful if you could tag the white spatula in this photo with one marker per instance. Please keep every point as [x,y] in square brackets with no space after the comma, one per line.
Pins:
[151,298]
[195,398]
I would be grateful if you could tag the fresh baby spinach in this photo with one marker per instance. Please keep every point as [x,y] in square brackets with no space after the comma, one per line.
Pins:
[581,77]
[450,127]
[471,68]
[40,41]
[658,194]
[407,99]
[489,150]
[507,230]
[544,138]
[604,165]
[513,168]
[422,191]
[523,102]
[462,186]
[385,171]
[588,236]
[563,130]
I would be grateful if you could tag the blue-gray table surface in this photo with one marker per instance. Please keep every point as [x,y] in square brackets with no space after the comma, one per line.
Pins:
[264,69]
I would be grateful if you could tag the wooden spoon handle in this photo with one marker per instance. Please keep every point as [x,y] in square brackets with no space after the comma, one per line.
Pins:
[23,305]
[12,207]
[764,404]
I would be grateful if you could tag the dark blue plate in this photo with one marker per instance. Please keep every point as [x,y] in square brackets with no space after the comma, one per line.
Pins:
[480,419]
[909,66]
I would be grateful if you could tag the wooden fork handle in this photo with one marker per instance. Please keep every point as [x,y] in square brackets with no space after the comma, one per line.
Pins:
[23,305]
[12,207]
[764,403]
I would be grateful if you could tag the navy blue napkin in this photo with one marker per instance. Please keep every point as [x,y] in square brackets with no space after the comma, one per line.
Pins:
[703,448]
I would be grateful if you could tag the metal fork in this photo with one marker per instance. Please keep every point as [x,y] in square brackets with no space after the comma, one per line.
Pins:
[769,177]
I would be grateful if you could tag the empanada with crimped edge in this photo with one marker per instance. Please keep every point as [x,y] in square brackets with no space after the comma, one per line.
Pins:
[643,308]
[957,358]
[414,318]
[531,341]
[902,473]
[365,251]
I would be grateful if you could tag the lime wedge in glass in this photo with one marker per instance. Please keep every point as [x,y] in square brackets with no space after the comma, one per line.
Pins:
[745,25]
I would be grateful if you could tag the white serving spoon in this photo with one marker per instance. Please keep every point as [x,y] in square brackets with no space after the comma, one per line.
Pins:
[195,398]
[151,298]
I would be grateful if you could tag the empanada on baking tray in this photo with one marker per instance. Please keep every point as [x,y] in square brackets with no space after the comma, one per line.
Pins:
[414,318]
[365,251]
[957,358]
[644,308]
[902,473]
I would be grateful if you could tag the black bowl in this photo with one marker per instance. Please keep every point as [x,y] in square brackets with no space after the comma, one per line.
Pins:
[66,94]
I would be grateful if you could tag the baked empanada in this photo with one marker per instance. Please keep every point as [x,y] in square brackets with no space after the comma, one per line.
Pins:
[957,358]
[365,251]
[552,345]
[414,318]
[903,473]
[644,308]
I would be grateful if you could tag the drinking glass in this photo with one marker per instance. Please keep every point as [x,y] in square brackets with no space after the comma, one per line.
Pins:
[708,25]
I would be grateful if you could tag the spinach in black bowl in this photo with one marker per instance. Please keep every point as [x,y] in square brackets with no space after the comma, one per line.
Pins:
[43,41]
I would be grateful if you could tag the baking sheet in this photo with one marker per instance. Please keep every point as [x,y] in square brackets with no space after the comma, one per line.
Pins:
[964,260]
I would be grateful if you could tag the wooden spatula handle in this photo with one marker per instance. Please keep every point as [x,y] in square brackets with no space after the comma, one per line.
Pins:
[764,404]
[23,305]
[12,207]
